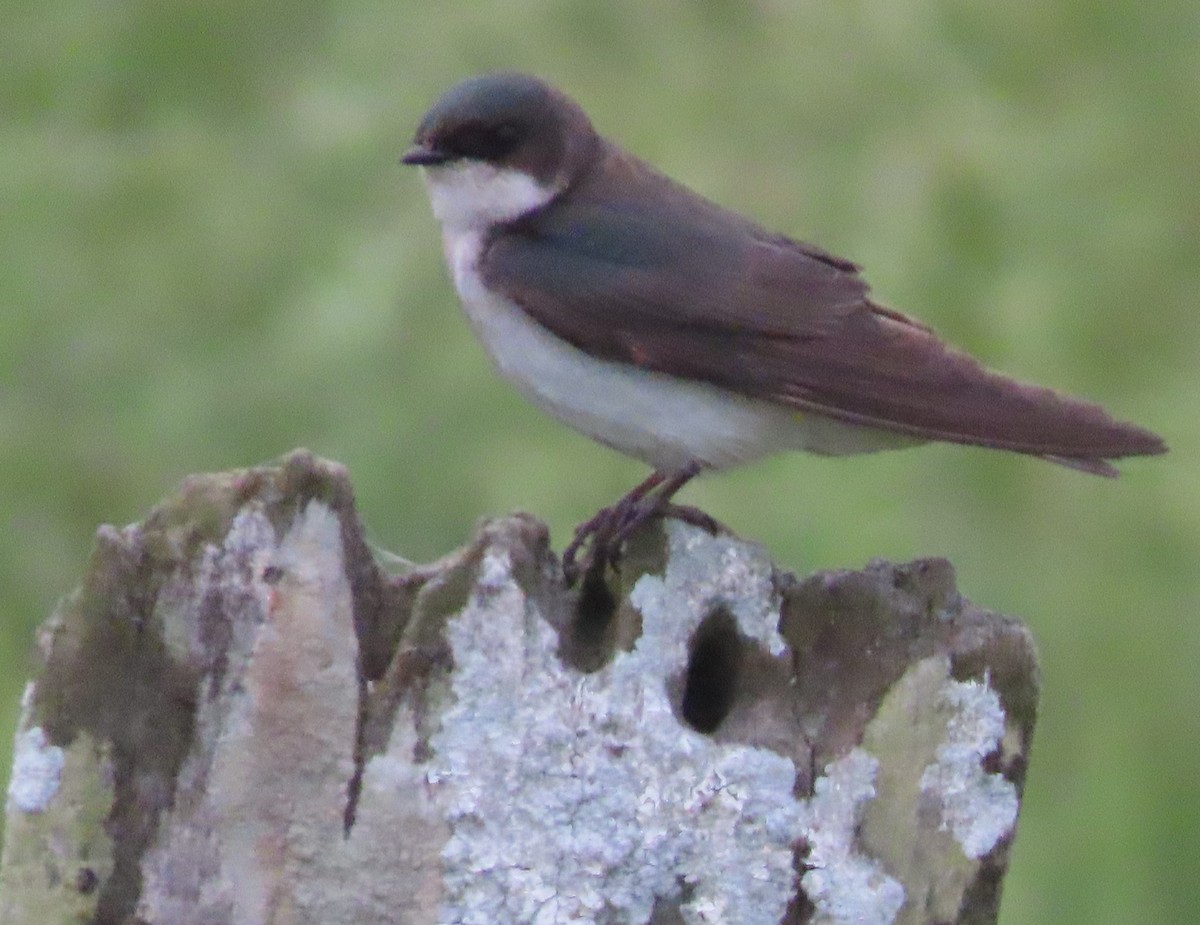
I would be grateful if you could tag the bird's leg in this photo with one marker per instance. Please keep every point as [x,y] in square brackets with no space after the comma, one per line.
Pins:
[612,526]
[638,511]
[604,523]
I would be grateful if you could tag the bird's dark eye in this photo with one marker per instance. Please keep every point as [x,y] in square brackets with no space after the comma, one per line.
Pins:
[483,142]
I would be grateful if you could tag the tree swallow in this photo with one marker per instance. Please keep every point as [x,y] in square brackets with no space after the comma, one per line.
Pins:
[688,336]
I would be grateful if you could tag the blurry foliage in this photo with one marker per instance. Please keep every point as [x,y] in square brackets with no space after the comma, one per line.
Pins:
[210,257]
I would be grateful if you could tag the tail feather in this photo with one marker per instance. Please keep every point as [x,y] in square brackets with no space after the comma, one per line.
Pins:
[1093,465]
[883,373]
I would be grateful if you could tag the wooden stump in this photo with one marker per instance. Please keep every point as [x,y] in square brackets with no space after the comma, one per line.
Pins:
[243,719]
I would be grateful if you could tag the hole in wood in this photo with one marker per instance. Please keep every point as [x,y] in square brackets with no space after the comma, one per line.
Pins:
[712,672]
[595,609]
[587,642]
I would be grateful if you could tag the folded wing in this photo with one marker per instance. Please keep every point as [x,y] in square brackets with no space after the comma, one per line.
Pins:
[680,286]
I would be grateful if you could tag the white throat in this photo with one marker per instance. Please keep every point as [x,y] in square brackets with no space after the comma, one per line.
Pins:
[472,196]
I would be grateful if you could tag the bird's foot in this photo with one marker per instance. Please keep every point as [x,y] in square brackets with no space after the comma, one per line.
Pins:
[598,529]
[605,534]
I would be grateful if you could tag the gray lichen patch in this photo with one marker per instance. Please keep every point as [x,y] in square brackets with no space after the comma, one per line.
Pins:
[845,885]
[703,573]
[979,807]
[594,801]
[428,597]
[939,810]
[36,772]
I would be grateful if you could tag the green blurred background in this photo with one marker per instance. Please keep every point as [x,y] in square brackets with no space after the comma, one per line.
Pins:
[210,257]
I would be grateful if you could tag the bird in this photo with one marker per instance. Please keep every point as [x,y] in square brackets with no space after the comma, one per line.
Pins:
[686,335]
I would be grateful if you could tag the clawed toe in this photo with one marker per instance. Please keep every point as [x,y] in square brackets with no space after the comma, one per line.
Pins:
[598,529]
[695,517]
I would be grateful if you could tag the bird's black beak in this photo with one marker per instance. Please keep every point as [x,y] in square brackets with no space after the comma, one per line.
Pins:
[422,155]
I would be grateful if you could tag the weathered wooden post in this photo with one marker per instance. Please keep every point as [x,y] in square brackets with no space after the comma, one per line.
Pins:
[242,719]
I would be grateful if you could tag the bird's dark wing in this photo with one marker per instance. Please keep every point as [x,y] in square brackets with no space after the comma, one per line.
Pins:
[687,289]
